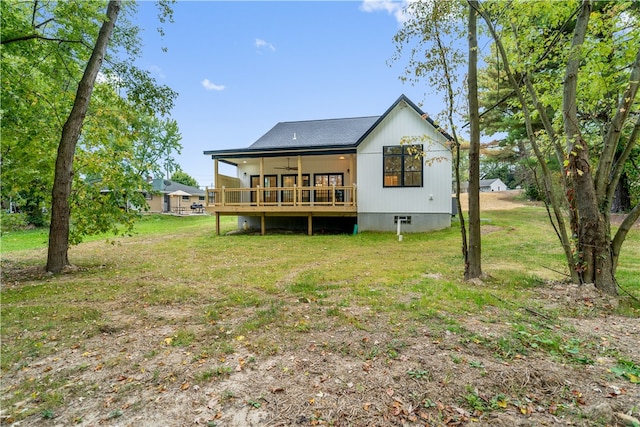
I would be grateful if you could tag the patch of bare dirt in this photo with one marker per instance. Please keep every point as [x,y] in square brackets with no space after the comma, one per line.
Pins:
[497,200]
[513,199]
[135,373]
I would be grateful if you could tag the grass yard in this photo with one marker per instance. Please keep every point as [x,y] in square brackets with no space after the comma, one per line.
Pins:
[175,326]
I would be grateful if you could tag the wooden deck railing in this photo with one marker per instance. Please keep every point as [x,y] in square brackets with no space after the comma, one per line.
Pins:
[284,197]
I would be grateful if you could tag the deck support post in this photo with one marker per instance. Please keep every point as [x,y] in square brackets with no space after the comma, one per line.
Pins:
[216,174]
[310,225]
[262,225]
[217,224]
[351,169]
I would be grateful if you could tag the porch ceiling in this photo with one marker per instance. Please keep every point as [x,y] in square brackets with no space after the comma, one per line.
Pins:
[273,158]
[235,157]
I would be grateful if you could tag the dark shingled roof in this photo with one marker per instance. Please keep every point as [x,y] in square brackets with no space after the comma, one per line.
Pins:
[331,135]
[315,133]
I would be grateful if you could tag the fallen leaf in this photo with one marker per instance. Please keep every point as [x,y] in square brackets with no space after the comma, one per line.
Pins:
[366,406]
[185,386]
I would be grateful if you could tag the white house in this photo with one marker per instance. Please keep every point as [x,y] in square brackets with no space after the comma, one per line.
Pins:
[486,185]
[494,184]
[338,173]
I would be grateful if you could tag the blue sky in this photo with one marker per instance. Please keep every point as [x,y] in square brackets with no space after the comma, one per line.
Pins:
[241,67]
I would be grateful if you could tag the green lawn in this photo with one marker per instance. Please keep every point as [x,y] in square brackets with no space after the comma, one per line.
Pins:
[148,224]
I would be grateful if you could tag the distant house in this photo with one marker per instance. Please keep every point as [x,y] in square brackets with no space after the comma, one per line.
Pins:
[495,184]
[486,185]
[160,199]
[335,174]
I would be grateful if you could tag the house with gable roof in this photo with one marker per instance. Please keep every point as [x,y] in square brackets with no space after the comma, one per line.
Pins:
[165,196]
[334,174]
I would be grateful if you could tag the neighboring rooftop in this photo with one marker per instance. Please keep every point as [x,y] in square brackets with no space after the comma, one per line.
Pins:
[168,186]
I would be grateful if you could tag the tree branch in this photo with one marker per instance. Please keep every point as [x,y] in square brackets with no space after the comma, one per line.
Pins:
[621,234]
[569,107]
[613,134]
[546,173]
[33,13]
[44,23]
[618,167]
[39,37]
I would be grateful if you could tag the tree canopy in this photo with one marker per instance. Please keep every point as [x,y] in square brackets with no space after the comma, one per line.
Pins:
[183,178]
[560,81]
[45,47]
[574,68]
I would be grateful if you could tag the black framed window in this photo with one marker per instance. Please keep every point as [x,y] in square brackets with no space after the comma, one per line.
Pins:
[402,166]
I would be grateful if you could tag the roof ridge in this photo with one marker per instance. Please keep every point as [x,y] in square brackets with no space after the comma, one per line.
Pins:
[326,120]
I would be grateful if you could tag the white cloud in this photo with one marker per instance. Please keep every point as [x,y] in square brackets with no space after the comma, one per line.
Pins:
[157,71]
[208,85]
[394,8]
[263,44]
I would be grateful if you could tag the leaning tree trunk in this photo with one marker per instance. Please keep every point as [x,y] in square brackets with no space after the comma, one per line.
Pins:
[455,144]
[57,257]
[473,269]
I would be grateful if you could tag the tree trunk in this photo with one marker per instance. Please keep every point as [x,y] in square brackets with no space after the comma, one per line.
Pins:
[455,144]
[595,264]
[57,257]
[473,269]
[622,197]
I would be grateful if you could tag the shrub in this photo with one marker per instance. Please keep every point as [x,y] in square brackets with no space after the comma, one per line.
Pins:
[13,222]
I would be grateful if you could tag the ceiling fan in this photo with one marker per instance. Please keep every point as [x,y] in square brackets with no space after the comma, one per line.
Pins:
[288,168]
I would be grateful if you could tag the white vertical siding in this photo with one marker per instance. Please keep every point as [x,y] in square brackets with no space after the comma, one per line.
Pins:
[434,196]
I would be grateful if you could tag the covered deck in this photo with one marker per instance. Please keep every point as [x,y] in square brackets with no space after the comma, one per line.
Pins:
[331,201]
[317,182]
